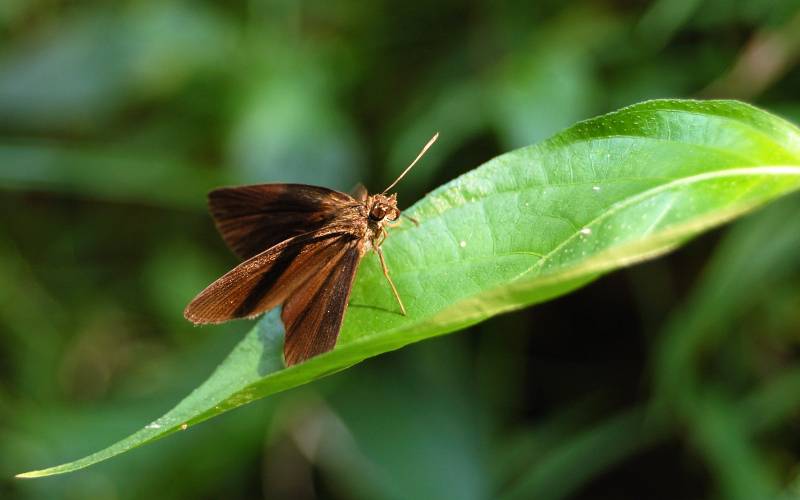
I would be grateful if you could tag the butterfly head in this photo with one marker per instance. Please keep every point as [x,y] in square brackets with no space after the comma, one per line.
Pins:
[383,207]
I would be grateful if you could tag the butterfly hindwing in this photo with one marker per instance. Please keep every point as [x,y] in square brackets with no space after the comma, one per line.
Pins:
[269,278]
[313,313]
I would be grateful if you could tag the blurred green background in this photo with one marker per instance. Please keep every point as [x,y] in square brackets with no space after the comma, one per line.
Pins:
[676,379]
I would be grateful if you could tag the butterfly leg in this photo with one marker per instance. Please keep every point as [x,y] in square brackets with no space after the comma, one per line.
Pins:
[378,240]
[388,278]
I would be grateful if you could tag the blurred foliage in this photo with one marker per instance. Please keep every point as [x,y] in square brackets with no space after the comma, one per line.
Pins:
[673,379]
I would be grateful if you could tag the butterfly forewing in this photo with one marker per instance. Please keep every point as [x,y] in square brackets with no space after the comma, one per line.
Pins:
[268,279]
[254,218]
[313,314]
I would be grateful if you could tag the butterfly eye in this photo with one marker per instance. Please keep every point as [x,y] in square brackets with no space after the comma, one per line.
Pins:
[378,213]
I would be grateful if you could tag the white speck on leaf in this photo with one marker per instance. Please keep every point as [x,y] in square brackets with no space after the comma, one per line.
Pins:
[586,231]
[462,244]
[153,426]
[595,188]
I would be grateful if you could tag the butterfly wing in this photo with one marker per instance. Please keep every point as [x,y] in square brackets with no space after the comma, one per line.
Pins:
[313,313]
[254,218]
[269,278]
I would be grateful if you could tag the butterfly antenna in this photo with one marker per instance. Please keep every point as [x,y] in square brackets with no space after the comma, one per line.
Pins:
[421,153]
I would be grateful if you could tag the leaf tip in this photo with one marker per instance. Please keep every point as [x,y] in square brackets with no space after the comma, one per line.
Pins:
[50,471]
[32,474]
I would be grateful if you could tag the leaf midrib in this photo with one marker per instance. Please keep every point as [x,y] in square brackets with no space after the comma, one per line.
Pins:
[626,202]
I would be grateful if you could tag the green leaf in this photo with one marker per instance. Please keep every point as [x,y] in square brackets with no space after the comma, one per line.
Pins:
[523,228]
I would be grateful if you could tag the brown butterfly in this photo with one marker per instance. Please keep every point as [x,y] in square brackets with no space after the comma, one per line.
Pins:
[301,247]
